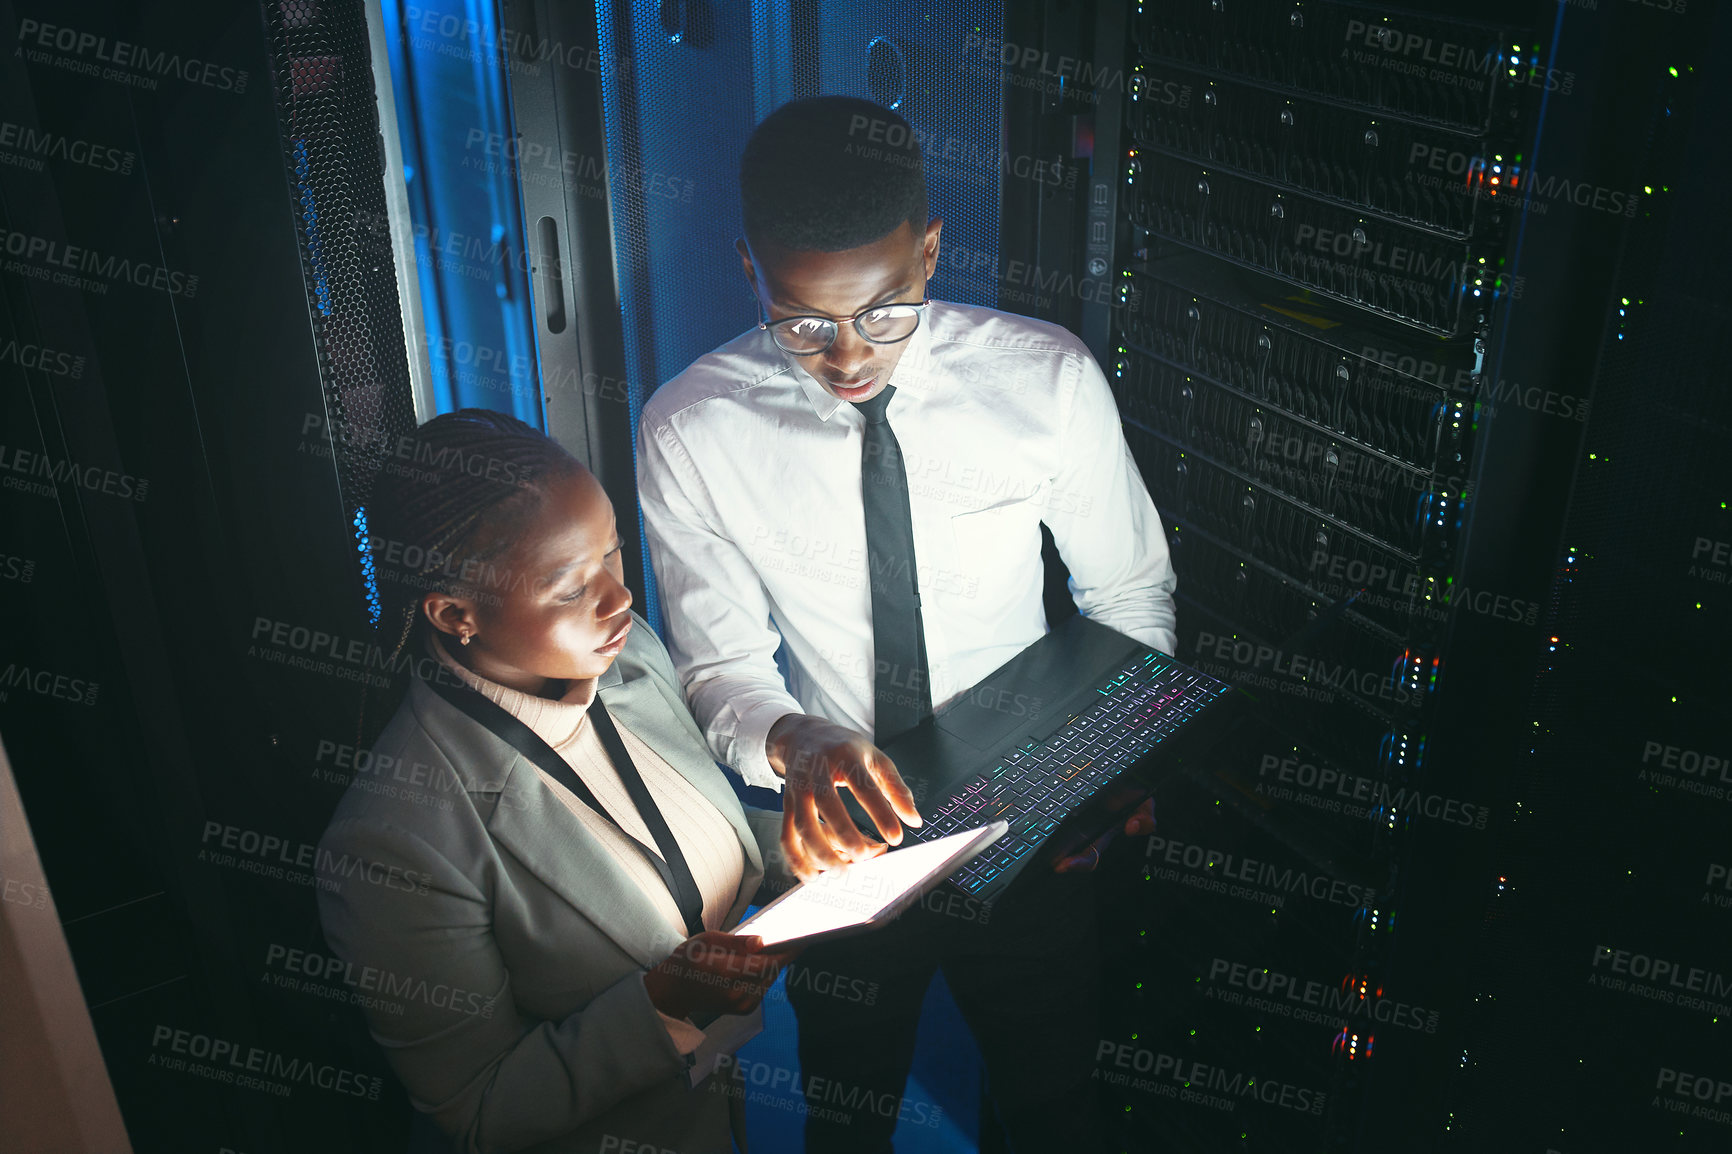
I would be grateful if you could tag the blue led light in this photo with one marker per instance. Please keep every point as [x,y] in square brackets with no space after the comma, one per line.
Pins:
[369,571]
[310,217]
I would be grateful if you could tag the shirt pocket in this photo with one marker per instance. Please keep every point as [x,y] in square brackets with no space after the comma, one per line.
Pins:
[994,551]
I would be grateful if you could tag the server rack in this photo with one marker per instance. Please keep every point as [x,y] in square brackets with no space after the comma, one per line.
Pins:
[1317,227]
[244,396]
[1302,329]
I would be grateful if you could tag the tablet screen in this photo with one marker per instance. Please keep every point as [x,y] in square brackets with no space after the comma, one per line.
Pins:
[856,893]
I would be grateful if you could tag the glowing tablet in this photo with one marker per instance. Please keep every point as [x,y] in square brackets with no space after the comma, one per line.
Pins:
[866,894]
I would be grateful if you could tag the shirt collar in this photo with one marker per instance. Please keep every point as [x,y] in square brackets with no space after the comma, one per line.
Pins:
[913,373]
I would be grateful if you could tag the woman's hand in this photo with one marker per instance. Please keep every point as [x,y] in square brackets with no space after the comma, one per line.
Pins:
[716,973]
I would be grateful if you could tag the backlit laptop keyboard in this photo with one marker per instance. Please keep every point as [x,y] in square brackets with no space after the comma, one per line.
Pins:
[1037,785]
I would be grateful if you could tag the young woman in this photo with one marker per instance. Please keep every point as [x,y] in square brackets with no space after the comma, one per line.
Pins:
[536,913]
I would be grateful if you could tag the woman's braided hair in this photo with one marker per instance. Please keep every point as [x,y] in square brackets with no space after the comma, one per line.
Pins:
[447,503]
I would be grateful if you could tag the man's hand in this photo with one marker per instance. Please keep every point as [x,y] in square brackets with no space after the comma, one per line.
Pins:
[816,758]
[1141,821]
[715,973]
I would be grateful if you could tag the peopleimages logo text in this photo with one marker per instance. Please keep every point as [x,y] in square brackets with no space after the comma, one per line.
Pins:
[32,356]
[48,683]
[1122,1056]
[1251,658]
[93,478]
[73,258]
[1352,787]
[1345,999]
[233,1059]
[384,983]
[1662,971]
[1448,60]
[1238,868]
[126,55]
[44,144]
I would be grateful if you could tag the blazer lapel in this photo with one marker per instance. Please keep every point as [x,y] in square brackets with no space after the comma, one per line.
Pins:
[536,828]
[551,843]
[640,705]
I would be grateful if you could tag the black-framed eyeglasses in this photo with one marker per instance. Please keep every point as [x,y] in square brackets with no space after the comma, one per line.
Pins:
[807,336]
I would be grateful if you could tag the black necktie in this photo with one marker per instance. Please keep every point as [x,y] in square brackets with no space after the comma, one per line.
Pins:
[901,697]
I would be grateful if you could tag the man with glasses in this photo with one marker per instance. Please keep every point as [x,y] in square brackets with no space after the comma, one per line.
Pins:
[843,508]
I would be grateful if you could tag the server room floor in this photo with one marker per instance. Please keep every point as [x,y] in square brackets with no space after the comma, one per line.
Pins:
[944,1088]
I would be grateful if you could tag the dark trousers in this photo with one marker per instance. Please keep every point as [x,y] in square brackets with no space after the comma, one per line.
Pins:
[1023,972]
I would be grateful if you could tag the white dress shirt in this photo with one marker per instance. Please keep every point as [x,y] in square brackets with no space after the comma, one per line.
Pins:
[749,479]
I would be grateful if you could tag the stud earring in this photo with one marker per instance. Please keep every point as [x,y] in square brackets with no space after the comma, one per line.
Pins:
[464,637]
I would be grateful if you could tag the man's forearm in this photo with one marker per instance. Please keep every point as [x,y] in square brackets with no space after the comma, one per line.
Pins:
[1146,618]
[736,714]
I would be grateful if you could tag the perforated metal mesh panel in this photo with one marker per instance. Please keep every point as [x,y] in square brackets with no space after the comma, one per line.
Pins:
[678,107]
[322,73]
[913,59]
[681,103]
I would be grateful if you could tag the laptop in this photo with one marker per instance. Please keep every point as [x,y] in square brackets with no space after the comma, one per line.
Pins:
[1036,742]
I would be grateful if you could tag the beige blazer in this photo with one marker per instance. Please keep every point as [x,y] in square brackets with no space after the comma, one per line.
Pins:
[509,947]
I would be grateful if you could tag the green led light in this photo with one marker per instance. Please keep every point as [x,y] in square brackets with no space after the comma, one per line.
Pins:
[1673,71]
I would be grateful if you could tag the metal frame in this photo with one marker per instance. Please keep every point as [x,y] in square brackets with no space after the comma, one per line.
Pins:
[398,218]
